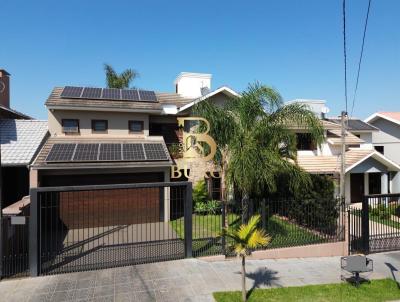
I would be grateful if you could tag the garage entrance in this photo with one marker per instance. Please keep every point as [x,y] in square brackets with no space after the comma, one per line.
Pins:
[76,228]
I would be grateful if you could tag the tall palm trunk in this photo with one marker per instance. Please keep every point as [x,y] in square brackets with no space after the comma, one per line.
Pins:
[245,208]
[244,293]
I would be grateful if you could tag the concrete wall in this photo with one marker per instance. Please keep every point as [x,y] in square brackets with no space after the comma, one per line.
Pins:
[389,137]
[117,122]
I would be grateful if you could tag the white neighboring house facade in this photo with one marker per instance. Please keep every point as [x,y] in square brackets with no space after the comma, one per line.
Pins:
[387,140]
[367,170]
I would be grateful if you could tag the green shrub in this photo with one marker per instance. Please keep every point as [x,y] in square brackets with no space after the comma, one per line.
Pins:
[213,207]
[200,193]
[380,211]
[200,208]
[314,206]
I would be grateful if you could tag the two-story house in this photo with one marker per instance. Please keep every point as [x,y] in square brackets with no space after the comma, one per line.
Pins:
[387,139]
[367,170]
[116,136]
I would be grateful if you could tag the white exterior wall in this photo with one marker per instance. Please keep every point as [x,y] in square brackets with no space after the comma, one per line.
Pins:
[389,137]
[117,122]
[190,84]
[367,138]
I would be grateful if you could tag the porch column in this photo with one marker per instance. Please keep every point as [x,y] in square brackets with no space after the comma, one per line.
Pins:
[167,197]
[366,183]
[396,183]
[384,183]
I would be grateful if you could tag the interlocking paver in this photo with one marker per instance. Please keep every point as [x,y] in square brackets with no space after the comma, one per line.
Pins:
[188,280]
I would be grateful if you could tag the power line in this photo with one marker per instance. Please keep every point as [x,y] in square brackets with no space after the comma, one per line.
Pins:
[361,56]
[344,51]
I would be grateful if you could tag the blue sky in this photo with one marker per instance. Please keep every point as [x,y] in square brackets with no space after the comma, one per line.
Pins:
[292,45]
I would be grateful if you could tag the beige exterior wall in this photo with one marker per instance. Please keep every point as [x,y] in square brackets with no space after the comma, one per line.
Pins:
[33,179]
[117,122]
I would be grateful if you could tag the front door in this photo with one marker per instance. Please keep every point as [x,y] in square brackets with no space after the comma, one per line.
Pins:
[357,187]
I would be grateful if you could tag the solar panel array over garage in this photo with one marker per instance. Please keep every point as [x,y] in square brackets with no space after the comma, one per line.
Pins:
[107,152]
[109,94]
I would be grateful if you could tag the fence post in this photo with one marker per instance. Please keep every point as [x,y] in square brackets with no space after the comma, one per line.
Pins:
[263,217]
[365,225]
[188,208]
[34,239]
[223,217]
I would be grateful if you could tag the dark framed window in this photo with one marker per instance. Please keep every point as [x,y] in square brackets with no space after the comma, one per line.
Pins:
[380,149]
[70,125]
[304,142]
[136,126]
[99,126]
[214,186]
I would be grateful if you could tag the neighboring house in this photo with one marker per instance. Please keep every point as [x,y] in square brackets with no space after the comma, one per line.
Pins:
[387,140]
[367,170]
[114,136]
[20,138]
[5,111]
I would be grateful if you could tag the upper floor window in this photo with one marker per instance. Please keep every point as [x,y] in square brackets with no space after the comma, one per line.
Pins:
[304,142]
[70,125]
[136,126]
[100,126]
[380,149]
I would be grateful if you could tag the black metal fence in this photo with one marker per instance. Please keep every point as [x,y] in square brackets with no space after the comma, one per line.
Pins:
[288,222]
[92,227]
[15,249]
[374,226]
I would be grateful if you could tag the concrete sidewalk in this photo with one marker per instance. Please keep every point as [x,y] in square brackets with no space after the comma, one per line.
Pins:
[185,280]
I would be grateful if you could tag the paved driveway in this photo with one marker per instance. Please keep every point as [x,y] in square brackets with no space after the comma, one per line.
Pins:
[184,280]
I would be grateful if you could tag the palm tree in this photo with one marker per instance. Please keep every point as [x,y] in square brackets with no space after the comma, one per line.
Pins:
[122,80]
[256,142]
[245,239]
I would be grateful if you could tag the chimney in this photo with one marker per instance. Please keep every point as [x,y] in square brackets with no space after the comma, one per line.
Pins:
[193,85]
[4,88]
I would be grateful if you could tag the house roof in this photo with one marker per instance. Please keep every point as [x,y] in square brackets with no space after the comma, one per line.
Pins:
[331,164]
[40,161]
[13,114]
[356,125]
[335,138]
[20,140]
[55,101]
[394,117]
[224,89]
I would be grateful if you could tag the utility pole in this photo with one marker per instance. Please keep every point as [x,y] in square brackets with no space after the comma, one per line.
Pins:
[343,122]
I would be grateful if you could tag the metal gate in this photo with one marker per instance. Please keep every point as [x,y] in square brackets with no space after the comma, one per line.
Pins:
[93,227]
[374,225]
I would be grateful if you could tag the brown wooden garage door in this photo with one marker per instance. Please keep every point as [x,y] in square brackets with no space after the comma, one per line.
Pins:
[85,209]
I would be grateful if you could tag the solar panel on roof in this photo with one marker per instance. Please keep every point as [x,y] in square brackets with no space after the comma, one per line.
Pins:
[86,152]
[71,92]
[155,151]
[111,94]
[91,93]
[61,152]
[146,95]
[110,152]
[129,94]
[133,152]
